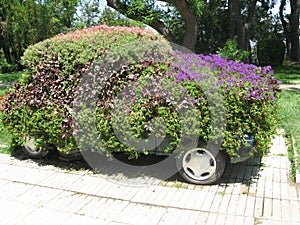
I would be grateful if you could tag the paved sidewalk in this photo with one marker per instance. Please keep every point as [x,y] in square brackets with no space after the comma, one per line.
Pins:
[255,192]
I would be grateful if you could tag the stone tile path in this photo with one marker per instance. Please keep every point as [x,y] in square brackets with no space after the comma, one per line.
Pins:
[258,191]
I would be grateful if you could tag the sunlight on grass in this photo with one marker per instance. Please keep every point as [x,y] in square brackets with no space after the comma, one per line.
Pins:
[288,74]
[289,116]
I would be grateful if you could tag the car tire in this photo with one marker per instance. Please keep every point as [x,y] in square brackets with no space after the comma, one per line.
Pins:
[33,151]
[200,166]
[71,156]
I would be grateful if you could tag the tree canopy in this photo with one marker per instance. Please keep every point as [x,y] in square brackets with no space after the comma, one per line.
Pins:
[200,25]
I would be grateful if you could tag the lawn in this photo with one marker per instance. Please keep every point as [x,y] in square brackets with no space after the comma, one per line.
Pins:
[289,109]
[288,74]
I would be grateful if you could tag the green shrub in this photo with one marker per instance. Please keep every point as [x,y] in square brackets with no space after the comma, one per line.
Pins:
[270,52]
[231,52]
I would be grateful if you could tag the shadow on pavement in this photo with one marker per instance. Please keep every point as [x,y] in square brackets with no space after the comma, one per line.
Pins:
[140,169]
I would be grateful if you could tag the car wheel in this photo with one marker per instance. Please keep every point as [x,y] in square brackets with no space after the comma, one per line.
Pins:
[200,166]
[32,150]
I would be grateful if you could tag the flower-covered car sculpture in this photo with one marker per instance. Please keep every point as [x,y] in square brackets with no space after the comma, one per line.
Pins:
[118,89]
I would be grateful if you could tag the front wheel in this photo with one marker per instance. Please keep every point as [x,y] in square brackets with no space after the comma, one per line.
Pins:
[200,166]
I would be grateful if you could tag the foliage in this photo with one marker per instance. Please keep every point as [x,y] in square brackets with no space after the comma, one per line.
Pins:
[270,52]
[250,98]
[114,18]
[89,13]
[42,103]
[23,23]
[59,62]
[231,52]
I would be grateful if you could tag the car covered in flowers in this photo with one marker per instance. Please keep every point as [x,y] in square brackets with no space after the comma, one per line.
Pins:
[202,109]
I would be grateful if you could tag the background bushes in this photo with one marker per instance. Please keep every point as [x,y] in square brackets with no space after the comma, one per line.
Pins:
[270,52]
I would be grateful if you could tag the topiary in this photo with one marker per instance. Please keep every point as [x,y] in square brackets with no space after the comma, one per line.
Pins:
[178,95]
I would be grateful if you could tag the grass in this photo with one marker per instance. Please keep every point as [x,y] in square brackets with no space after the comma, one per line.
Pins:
[288,74]
[10,77]
[289,109]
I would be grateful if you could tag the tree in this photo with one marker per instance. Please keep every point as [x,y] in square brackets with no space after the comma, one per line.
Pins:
[148,12]
[114,18]
[26,22]
[290,25]
[89,13]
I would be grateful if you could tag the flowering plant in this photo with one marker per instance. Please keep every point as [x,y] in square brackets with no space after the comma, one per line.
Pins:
[250,97]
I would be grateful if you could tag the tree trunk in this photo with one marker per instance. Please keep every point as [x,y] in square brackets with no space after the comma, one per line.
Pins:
[236,28]
[294,34]
[284,25]
[190,20]
[183,7]
[7,54]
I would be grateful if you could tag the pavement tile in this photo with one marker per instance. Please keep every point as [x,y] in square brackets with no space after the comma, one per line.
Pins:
[192,219]
[295,210]
[249,194]
[170,216]
[276,192]
[286,210]
[233,204]
[216,203]
[241,205]
[267,207]
[292,192]
[12,191]
[114,209]
[224,204]
[45,216]
[211,219]
[249,209]
[230,220]
[249,221]
[221,218]
[199,200]
[276,209]
[13,212]
[38,196]
[258,209]
[208,201]
[94,207]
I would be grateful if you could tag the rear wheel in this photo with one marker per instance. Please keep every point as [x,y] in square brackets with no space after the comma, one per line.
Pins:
[200,166]
[32,149]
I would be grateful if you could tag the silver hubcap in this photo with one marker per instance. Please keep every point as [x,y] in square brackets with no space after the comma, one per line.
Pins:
[199,164]
[30,144]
